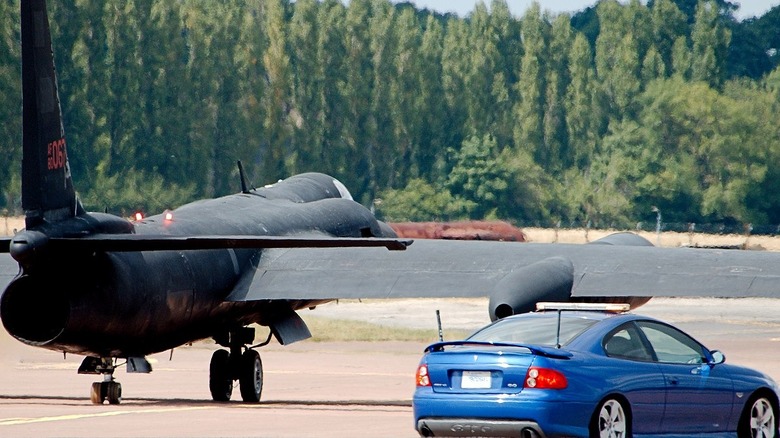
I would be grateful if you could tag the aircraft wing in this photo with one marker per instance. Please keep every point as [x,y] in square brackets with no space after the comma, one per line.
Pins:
[137,242]
[440,268]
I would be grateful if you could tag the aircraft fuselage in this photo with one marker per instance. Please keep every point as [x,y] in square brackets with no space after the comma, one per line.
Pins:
[120,304]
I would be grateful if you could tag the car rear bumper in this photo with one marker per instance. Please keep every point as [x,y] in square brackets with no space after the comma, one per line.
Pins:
[549,414]
[463,427]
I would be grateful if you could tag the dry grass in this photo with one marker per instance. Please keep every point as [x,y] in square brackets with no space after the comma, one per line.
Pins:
[665,239]
[324,329]
[10,224]
[343,330]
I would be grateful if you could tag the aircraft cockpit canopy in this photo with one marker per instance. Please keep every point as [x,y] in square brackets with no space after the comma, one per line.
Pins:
[343,191]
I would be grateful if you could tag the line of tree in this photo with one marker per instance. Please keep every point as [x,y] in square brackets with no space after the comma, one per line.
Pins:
[596,117]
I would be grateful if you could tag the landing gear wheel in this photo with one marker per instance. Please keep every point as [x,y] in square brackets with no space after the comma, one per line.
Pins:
[96,394]
[610,421]
[113,392]
[107,390]
[251,376]
[758,420]
[220,380]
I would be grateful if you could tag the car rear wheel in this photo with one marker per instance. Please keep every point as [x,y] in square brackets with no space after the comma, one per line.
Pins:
[610,420]
[759,419]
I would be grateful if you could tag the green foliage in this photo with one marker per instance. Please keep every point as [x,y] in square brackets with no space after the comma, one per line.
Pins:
[773,83]
[10,109]
[582,106]
[422,201]
[696,154]
[124,195]
[480,175]
[532,194]
[617,59]
[597,195]
[277,97]
[529,111]
[710,45]
[669,23]
[681,58]
[653,66]
[593,118]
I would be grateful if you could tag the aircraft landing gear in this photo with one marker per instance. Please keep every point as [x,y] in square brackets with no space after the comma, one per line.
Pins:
[250,378]
[109,389]
[220,376]
[227,367]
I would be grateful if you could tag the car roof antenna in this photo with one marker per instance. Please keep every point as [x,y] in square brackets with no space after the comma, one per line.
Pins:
[438,322]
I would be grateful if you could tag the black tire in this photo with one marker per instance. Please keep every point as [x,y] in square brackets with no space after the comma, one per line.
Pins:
[96,393]
[761,409]
[113,392]
[251,376]
[611,419]
[220,379]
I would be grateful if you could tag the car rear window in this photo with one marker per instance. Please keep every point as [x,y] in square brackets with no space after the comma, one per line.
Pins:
[536,330]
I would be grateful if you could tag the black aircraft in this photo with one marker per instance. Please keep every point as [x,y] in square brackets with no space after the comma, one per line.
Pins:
[115,291]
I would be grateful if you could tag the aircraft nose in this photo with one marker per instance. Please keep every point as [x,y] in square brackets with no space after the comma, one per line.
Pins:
[26,245]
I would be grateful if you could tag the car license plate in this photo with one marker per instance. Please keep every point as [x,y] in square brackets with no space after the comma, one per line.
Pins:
[475,380]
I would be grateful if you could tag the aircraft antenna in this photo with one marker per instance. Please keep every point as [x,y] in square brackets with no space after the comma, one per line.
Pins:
[242,175]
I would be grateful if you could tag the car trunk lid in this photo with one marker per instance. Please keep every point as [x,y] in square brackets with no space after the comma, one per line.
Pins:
[482,367]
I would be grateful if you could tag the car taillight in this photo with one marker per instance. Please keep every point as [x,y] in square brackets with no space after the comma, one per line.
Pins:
[422,378]
[545,378]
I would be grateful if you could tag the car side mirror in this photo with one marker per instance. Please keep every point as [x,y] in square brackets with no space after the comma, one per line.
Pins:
[717,357]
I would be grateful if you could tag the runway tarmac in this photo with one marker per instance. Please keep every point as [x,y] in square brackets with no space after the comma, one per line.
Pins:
[311,389]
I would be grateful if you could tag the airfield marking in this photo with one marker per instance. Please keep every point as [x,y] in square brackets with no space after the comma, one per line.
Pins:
[17,421]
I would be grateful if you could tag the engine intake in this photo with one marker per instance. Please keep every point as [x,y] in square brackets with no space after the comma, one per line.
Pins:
[552,279]
[548,280]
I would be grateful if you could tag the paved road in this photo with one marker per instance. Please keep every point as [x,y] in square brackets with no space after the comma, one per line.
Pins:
[311,389]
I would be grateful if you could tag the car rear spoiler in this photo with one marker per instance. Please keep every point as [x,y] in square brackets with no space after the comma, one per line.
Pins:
[535,349]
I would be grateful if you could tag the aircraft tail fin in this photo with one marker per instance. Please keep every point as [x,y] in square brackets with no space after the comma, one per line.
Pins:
[47,188]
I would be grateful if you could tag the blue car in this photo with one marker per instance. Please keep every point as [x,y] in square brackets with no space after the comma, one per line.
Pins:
[578,372]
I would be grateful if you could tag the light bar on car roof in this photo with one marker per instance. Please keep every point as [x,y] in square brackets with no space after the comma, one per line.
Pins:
[594,307]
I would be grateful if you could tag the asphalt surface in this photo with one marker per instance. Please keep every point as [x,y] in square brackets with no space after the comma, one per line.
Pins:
[311,389]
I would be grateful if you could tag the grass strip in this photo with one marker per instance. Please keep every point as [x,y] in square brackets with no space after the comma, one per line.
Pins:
[342,330]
